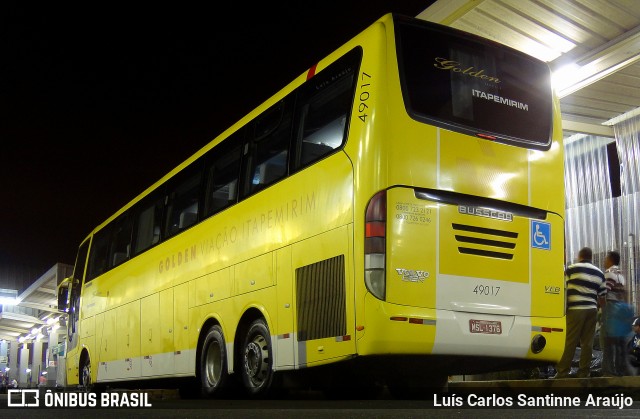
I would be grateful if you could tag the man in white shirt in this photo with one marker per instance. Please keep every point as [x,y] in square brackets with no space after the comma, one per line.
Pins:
[585,287]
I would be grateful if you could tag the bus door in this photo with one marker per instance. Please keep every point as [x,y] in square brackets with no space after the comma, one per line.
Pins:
[73,335]
[156,334]
[72,308]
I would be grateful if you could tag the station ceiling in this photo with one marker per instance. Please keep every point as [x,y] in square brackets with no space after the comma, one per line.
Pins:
[591,46]
[33,312]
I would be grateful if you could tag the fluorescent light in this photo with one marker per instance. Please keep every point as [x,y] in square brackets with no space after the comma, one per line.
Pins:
[8,301]
[565,76]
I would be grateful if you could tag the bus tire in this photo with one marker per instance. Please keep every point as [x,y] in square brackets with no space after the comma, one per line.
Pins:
[214,373]
[256,359]
[86,383]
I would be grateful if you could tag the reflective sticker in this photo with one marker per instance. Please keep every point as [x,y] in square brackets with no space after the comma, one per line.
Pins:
[540,235]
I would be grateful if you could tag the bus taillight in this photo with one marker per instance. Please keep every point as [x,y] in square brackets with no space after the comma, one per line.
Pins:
[375,245]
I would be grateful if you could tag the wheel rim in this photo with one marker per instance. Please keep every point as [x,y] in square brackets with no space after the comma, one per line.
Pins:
[213,368]
[86,376]
[256,361]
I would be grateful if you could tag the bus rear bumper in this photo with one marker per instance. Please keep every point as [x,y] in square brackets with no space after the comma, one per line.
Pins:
[396,329]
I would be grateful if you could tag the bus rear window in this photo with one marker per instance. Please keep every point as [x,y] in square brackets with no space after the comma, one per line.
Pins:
[461,82]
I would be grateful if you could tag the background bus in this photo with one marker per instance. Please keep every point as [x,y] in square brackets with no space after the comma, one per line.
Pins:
[396,211]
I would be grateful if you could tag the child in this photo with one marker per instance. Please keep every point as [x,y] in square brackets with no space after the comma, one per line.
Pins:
[634,344]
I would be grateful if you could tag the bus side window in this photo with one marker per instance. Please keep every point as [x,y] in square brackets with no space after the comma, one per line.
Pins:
[183,201]
[99,254]
[223,172]
[148,223]
[81,262]
[120,245]
[323,109]
[110,247]
[269,150]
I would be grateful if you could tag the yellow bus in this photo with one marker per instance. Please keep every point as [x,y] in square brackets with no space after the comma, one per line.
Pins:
[394,215]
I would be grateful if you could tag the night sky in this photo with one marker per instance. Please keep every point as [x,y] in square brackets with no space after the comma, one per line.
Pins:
[98,102]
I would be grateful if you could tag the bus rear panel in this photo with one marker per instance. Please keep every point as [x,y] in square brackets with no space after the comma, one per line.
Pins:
[463,253]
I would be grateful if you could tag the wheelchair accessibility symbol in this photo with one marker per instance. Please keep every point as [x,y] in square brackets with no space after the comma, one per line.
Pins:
[540,235]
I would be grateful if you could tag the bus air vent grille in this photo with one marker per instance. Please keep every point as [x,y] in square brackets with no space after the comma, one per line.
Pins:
[321,299]
[487,242]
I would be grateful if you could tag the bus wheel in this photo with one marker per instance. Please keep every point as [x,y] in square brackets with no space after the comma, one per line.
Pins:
[257,359]
[213,363]
[85,375]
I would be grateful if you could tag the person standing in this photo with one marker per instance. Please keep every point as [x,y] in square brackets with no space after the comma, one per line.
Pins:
[616,317]
[634,346]
[585,288]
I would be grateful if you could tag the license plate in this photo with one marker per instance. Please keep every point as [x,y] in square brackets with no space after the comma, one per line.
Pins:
[485,326]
